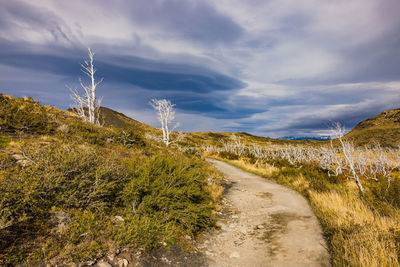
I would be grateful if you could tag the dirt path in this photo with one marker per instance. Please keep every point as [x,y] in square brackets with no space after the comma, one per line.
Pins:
[263,224]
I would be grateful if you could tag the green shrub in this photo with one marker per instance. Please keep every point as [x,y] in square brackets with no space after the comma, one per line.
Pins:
[60,194]
[4,141]
[161,199]
[129,138]
[148,232]
[192,152]
[59,175]
[382,197]
[228,155]
[174,187]
[23,115]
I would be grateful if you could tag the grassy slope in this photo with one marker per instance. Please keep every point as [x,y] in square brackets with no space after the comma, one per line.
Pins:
[113,118]
[212,138]
[383,129]
[63,181]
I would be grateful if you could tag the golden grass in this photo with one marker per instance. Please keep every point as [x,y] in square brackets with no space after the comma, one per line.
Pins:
[362,237]
[260,169]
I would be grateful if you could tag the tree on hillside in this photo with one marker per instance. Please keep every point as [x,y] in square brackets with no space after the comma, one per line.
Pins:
[166,115]
[87,105]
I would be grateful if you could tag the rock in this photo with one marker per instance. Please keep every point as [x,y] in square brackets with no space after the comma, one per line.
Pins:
[18,157]
[104,264]
[122,262]
[119,218]
[260,226]
[21,160]
[62,221]
[164,259]
[62,228]
[90,263]
[238,242]
[63,128]
[111,256]
[234,254]
[210,254]
[209,181]
[24,162]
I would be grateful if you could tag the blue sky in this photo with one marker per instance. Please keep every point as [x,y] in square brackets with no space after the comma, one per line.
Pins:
[268,67]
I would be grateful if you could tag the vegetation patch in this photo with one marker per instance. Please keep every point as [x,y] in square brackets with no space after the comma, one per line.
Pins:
[71,191]
[4,141]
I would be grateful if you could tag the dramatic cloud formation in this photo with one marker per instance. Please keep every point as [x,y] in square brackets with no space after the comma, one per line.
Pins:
[272,68]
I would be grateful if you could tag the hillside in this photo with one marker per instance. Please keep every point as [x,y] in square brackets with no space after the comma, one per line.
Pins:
[383,129]
[113,118]
[116,119]
[73,192]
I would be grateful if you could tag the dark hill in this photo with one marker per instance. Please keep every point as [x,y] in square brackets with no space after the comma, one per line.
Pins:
[113,118]
[383,129]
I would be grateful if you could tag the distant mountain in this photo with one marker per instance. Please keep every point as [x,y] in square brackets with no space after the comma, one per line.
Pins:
[297,138]
[383,129]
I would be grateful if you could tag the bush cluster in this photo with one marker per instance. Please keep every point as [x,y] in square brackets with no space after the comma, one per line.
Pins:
[161,198]
[228,155]
[23,115]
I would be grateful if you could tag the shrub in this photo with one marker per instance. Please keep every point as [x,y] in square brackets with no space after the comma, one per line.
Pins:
[4,141]
[228,155]
[173,186]
[192,152]
[59,175]
[161,198]
[23,115]
[129,138]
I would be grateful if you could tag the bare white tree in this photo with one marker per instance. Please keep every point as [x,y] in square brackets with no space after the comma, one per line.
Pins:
[88,105]
[348,153]
[166,114]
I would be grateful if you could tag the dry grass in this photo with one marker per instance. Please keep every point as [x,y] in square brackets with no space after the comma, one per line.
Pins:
[264,169]
[363,237]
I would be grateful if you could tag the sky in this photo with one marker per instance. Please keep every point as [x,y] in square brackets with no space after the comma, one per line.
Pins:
[267,67]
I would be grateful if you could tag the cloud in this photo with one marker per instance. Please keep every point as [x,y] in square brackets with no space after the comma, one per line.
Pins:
[277,67]
[195,21]
[20,20]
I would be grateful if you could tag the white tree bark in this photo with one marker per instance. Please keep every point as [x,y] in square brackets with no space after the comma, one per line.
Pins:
[88,105]
[166,115]
[348,151]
